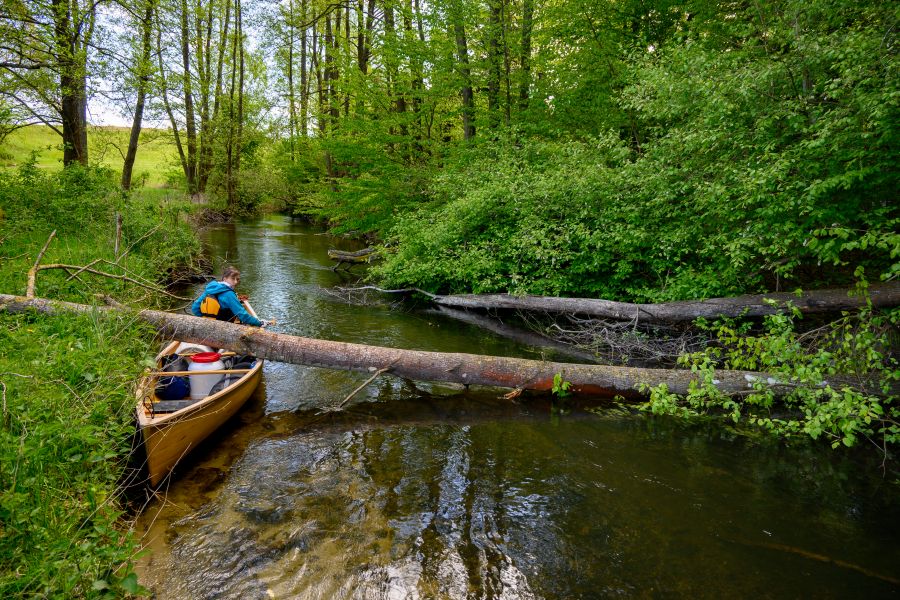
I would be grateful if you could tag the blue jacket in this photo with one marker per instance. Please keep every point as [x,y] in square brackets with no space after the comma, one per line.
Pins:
[227,299]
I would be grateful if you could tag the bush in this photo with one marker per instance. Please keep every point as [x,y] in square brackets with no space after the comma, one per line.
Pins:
[80,203]
[843,378]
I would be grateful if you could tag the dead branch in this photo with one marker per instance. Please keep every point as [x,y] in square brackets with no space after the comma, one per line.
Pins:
[352,258]
[85,269]
[619,342]
[135,243]
[815,301]
[87,266]
[32,272]
[357,390]
[118,232]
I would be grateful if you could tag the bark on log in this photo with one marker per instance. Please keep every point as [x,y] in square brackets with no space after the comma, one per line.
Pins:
[360,256]
[458,368]
[817,301]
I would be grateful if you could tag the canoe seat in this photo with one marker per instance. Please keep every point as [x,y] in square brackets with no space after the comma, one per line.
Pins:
[170,406]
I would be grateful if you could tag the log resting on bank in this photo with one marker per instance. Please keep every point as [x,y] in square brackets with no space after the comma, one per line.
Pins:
[360,256]
[467,369]
[815,301]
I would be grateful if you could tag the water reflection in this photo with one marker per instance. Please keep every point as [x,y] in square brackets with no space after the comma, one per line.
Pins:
[424,491]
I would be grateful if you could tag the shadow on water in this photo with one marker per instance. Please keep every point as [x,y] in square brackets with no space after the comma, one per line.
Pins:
[427,491]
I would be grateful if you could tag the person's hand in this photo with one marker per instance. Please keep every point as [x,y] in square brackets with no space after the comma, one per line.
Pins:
[243,297]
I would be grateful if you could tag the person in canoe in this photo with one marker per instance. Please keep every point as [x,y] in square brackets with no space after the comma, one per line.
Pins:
[220,301]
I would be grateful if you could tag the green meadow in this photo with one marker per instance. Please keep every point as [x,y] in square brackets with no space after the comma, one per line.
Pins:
[155,165]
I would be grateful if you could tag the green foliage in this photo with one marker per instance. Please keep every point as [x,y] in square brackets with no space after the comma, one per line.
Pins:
[66,424]
[80,203]
[560,387]
[842,379]
[64,434]
[522,215]
[752,156]
[155,153]
[70,200]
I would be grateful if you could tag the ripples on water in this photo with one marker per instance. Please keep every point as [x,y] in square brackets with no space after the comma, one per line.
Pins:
[421,491]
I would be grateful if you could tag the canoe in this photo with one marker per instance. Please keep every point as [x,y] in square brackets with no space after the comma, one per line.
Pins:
[170,429]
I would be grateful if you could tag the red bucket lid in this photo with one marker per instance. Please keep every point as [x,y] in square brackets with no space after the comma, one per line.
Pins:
[206,357]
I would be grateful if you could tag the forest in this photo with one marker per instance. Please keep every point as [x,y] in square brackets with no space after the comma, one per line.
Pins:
[636,150]
[641,151]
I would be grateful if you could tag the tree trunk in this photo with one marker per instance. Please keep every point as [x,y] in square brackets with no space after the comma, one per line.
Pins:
[493,84]
[229,146]
[330,75]
[204,70]
[164,91]
[206,155]
[527,24]
[73,86]
[304,77]
[462,56]
[817,301]
[395,90]
[347,37]
[321,121]
[292,104]
[239,30]
[364,37]
[449,367]
[504,18]
[143,84]
[190,120]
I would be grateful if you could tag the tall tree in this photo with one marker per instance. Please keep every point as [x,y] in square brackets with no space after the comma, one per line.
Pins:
[144,67]
[189,116]
[465,73]
[525,54]
[44,59]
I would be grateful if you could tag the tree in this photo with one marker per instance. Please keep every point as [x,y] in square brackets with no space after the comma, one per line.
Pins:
[144,70]
[44,66]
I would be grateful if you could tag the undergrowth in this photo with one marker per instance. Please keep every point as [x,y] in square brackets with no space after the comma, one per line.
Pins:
[841,379]
[64,438]
[67,380]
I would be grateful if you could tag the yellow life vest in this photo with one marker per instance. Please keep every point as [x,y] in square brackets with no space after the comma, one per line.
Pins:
[211,308]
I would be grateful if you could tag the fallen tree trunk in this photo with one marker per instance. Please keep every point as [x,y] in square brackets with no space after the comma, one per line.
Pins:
[359,256]
[518,373]
[818,301]
[342,256]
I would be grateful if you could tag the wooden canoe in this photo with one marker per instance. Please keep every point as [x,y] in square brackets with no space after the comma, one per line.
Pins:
[169,436]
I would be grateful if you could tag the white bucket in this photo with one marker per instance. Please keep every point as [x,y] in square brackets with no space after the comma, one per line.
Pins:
[201,384]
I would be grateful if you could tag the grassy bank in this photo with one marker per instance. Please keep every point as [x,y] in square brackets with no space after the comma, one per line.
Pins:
[67,382]
[157,158]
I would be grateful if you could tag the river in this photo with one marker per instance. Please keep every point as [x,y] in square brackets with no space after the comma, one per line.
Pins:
[431,491]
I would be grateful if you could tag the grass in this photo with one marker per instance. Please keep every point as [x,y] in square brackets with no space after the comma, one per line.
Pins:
[64,434]
[156,160]
[67,381]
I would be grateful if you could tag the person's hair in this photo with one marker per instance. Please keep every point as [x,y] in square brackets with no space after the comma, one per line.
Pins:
[230,272]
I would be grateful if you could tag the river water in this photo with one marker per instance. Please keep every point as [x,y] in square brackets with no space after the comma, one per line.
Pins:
[429,491]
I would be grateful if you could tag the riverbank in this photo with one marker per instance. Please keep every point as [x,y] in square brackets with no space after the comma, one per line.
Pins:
[67,382]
